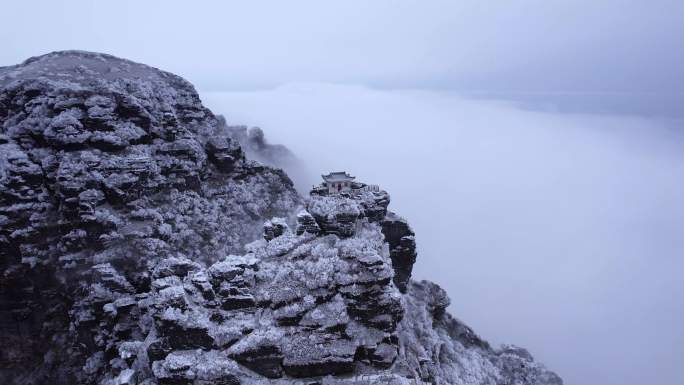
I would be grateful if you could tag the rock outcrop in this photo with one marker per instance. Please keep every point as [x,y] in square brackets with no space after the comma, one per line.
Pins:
[107,166]
[140,245]
[402,245]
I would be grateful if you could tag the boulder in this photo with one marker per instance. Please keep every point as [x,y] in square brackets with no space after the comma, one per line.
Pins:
[334,214]
[402,244]
[133,249]
[274,227]
[314,354]
[224,152]
[306,223]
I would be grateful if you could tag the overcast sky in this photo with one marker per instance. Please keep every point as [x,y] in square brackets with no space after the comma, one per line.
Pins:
[549,46]
[562,204]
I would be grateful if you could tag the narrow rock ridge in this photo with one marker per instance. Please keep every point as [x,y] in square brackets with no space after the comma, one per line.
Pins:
[139,245]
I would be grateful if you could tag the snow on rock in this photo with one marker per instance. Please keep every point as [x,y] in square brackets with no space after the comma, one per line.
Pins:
[139,245]
[177,266]
[275,227]
[106,168]
[306,223]
[401,240]
[437,348]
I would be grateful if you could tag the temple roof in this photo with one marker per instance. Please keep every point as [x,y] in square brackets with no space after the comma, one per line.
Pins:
[340,176]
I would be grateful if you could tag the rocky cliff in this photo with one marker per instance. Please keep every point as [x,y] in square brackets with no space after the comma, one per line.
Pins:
[139,245]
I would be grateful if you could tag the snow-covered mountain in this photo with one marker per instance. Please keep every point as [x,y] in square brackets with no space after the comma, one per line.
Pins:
[140,245]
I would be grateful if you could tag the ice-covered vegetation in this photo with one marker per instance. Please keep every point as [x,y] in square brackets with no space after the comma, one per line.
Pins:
[138,245]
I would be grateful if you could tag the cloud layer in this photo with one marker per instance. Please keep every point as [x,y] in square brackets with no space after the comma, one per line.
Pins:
[560,233]
[470,45]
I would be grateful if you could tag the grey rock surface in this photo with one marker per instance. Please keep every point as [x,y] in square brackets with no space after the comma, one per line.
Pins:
[139,245]
[107,166]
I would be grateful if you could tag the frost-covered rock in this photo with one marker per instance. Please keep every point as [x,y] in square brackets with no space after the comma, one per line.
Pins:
[335,214]
[224,152]
[402,244]
[106,168]
[139,245]
[253,142]
[275,227]
[307,224]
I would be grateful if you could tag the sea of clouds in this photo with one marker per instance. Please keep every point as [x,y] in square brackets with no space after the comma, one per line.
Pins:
[559,232]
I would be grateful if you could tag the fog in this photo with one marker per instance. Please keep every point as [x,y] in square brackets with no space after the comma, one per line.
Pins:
[554,219]
[562,233]
[602,48]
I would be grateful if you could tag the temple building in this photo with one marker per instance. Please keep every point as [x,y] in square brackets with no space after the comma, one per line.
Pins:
[338,182]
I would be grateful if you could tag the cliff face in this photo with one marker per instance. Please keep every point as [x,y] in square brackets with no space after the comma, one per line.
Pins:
[138,245]
[113,164]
